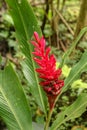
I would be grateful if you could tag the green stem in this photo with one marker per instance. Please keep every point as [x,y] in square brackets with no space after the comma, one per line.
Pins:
[48,119]
[49,115]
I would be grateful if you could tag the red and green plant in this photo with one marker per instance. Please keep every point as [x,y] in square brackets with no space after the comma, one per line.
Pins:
[48,86]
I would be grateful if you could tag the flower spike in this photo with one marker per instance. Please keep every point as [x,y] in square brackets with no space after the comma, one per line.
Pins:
[50,83]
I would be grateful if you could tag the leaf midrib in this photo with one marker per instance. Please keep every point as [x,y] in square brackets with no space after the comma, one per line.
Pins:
[31,58]
[3,101]
[10,105]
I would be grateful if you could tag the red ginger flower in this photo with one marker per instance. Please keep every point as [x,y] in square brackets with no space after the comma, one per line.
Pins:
[47,70]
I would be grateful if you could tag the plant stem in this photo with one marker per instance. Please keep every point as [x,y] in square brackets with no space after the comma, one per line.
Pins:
[48,119]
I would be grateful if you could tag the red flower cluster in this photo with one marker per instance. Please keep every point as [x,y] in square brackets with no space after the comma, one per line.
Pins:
[47,70]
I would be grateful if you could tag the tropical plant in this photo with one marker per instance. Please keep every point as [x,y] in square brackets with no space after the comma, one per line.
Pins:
[14,106]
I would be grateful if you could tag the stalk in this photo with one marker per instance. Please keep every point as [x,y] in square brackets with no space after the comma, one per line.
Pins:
[48,119]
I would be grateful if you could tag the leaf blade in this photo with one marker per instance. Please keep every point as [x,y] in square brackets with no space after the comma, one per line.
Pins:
[7,115]
[71,112]
[25,24]
[12,91]
[75,71]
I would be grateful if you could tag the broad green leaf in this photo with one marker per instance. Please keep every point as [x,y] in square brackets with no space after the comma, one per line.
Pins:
[76,71]
[7,115]
[73,111]
[9,118]
[25,24]
[13,93]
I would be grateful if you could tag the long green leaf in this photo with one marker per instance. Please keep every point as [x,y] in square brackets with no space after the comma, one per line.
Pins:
[76,71]
[25,24]
[13,94]
[9,118]
[7,115]
[73,111]
[69,51]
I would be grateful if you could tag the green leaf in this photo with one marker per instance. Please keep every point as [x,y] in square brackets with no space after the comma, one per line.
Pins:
[36,89]
[13,94]
[7,115]
[66,70]
[76,71]
[79,84]
[69,51]
[8,18]
[73,111]
[25,24]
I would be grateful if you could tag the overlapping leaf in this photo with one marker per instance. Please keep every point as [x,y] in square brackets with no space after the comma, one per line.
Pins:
[25,24]
[77,108]
[14,101]
[74,43]
[76,71]
[71,112]
[7,115]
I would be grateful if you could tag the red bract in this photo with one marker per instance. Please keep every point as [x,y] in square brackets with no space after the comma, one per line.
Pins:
[47,69]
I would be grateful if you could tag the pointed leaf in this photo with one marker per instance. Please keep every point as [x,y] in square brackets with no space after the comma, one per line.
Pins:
[73,111]
[69,51]
[25,24]
[7,115]
[76,71]
[13,93]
